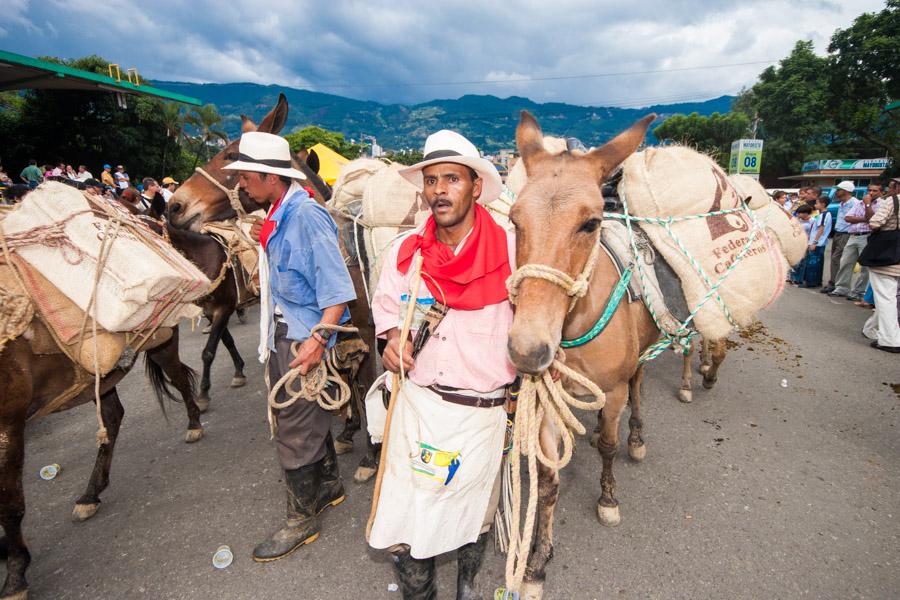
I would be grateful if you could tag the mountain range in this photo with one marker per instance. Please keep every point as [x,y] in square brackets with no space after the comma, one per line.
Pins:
[488,121]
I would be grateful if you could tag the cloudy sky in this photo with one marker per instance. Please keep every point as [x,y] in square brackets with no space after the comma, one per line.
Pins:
[583,52]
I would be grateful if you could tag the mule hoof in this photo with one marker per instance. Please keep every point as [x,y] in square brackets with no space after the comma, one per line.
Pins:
[708,384]
[363,474]
[637,453]
[83,512]
[202,404]
[704,369]
[608,515]
[686,396]
[238,382]
[342,447]
[17,596]
[532,590]
[595,439]
[193,435]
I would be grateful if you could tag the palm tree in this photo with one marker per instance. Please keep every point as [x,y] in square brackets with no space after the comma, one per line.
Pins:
[173,119]
[206,119]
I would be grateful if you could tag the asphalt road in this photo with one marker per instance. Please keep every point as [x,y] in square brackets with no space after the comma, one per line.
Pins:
[753,491]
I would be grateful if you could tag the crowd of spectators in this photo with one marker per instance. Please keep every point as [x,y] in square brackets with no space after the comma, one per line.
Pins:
[148,196]
[871,288]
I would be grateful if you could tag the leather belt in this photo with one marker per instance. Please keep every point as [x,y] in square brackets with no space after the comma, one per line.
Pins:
[473,401]
[861,233]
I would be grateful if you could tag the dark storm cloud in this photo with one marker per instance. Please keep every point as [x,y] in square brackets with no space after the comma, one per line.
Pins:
[395,51]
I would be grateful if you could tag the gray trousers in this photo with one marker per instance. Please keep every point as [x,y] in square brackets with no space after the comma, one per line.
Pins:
[837,251]
[852,250]
[302,427]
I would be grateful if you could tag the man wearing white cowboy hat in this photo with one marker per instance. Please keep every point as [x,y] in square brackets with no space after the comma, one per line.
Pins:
[445,444]
[307,284]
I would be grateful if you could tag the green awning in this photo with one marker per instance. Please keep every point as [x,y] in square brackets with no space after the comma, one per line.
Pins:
[19,72]
[892,106]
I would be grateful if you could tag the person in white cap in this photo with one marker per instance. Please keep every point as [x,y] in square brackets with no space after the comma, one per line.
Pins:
[308,284]
[843,193]
[443,451]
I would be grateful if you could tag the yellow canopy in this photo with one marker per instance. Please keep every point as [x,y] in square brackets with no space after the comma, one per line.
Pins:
[330,163]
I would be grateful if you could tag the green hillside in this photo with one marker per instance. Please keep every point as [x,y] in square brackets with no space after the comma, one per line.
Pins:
[487,120]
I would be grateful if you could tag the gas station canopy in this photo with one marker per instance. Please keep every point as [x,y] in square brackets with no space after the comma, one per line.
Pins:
[23,72]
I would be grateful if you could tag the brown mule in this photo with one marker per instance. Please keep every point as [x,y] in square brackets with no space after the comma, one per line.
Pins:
[557,216]
[28,382]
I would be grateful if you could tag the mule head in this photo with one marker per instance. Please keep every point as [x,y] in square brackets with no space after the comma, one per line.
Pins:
[557,216]
[198,201]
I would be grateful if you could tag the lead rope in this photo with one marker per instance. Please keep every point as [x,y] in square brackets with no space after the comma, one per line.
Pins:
[540,397]
[313,384]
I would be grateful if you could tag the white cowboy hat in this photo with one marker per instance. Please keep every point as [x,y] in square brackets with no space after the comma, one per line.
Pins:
[264,153]
[447,146]
[846,185]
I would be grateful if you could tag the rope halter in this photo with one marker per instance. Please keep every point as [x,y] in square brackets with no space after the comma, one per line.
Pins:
[233,195]
[575,287]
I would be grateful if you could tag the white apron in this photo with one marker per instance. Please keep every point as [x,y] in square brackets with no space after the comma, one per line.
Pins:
[442,462]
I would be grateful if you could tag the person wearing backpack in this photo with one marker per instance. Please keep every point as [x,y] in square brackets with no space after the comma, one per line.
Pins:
[882,256]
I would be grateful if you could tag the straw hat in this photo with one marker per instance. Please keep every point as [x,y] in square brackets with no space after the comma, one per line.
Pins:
[447,146]
[264,153]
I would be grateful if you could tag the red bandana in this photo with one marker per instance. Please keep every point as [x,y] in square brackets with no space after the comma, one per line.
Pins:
[470,280]
[269,225]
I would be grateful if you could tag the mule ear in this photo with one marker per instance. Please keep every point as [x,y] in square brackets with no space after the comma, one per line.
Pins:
[277,117]
[313,161]
[529,140]
[611,154]
[247,124]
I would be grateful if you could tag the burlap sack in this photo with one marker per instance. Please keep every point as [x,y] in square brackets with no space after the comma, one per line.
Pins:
[60,232]
[390,206]
[678,181]
[787,230]
[351,182]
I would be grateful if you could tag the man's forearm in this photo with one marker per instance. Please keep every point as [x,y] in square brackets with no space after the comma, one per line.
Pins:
[330,316]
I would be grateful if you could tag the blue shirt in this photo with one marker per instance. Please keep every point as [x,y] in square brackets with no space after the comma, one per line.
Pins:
[842,225]
[307,273]
[823,239]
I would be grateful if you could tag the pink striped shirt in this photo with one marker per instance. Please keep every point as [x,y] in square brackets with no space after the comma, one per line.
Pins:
[468,350]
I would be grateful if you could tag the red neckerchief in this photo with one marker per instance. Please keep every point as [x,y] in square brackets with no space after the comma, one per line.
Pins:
[269,225]
[470,280]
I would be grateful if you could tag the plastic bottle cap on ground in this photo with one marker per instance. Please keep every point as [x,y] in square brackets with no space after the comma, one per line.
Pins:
[49,472]
[223,557]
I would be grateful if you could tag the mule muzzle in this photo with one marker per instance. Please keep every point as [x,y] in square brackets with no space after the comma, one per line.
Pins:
[531,358]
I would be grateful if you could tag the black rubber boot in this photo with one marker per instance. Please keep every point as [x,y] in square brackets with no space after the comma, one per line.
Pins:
[416,576]
[302,525]
[468,560]
[331,488]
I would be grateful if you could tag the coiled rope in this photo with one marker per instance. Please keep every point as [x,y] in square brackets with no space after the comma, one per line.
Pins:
[313,385]
[541,397]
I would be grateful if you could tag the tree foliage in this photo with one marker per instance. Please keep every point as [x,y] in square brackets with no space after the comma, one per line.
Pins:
[863,77]
[308,137]
[406,157]
[712,135]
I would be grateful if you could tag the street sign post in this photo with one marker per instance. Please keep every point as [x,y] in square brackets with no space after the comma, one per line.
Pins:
[746,157]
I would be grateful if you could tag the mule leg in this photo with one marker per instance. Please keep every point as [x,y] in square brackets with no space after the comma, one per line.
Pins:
[368,465]
[218,323]
[637,449]
[548,494]
[705,357]
[164,367]
[89,502]
[239,380]
[608,446]
[717,351]
[12,498]
[686,393]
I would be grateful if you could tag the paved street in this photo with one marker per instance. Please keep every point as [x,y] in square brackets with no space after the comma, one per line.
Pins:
[753,491]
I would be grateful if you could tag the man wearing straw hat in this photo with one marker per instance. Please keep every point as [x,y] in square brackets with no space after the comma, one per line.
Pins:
[307,283]
[443,448]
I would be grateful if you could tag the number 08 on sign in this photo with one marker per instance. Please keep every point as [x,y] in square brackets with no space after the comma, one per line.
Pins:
[746,157]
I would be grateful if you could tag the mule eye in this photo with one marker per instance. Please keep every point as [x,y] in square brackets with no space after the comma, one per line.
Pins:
[589,226]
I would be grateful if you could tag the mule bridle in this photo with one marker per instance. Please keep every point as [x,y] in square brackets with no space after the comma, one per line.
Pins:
[233,195]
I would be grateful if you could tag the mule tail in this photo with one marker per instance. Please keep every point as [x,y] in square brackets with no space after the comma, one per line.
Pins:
[161,383]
